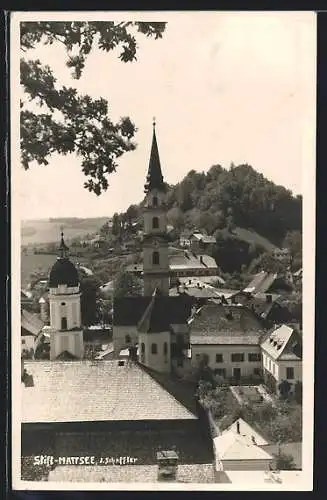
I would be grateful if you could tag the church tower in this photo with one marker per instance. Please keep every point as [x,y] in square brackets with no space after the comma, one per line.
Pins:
[66,332]
[155,241]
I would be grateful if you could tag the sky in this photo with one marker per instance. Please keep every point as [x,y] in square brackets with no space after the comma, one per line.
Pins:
[224,87]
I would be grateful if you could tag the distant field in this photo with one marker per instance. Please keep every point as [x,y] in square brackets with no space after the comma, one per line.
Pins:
[48,231]
[36,263]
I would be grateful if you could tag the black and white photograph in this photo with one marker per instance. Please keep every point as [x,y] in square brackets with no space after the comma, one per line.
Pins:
[162,248]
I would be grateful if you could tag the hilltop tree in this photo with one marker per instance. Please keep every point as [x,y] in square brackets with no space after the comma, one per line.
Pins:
[127,285]
[71,122]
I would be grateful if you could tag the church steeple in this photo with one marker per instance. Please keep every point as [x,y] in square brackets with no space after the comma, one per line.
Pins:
[155,240]
[154,179]
[63,248]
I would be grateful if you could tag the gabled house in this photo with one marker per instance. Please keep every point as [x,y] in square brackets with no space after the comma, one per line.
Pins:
[228,338]
[31,328]
[282,357]
[239,448]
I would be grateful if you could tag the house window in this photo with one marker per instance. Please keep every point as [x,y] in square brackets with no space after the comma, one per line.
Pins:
[64,323]
[155,223]
[197,357]
[269,364]
[273,368]
[256,371]
[254,356]
[237,357]
[165,348]
[127,339]
[23,341]
[142,348]
[154,348]
[237,373]
[290,373]
[219,358]
[155,258]
[155,201]
[221,372]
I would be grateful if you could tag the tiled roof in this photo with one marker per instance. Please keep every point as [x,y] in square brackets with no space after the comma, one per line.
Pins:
[279,343]
[186,473]
[194,291]
[31,323]
[232,446]
[164,311]
[219,320]
[225,340]
[80,391]
[261,282]
[247,431]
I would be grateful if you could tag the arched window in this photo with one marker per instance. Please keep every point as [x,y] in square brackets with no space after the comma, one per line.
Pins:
[127,339]
[154,349]
[142,348]
[155,223]
[155,201]
[155,258]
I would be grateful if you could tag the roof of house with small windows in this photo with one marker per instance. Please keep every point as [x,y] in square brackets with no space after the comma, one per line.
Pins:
[283,343]
[232,324]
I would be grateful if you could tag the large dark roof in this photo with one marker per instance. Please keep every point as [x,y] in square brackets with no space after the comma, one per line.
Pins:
[127,311]
[154,178]
[80,391]
[164,311]
[63,272]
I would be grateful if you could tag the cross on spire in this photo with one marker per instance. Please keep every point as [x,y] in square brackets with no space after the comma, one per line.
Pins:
[63,248]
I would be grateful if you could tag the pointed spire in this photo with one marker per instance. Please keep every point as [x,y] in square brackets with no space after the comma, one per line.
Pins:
[154,178]
[63,248]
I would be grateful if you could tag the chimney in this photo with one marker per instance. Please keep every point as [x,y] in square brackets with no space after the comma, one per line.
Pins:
[238,427]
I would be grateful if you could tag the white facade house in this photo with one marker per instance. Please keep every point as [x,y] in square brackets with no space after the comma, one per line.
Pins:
[282,357]
[229,338]
[239,448]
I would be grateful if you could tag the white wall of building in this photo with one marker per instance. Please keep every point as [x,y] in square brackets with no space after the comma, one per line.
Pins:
[28,342]
[249,465]
[71,342]
[65,305]
[247,367]
[119,335]
[278,368]
[159,361]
